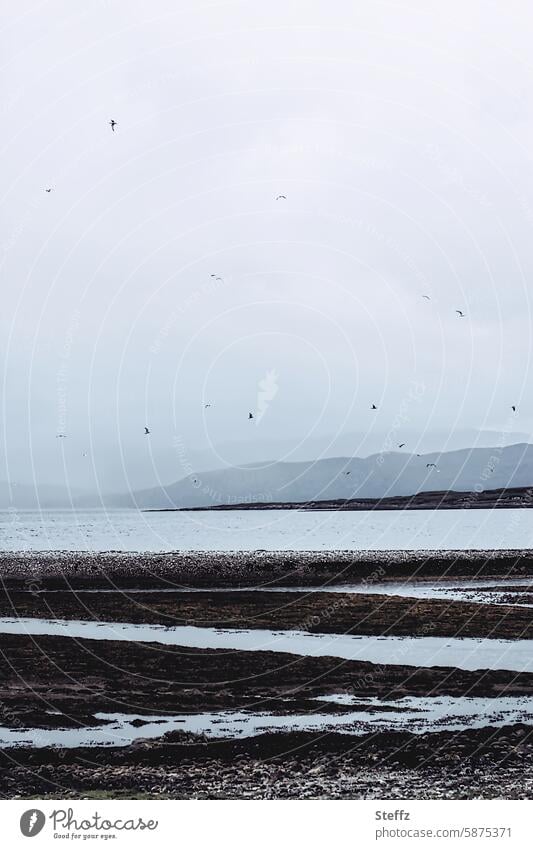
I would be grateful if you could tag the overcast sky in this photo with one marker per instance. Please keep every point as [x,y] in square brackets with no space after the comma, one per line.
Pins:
[402,137]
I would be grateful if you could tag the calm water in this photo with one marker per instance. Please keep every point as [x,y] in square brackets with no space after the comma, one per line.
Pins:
[461,652]
[273,530]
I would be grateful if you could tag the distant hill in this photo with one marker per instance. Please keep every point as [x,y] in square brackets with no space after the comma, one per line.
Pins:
[508,498]
[377,476]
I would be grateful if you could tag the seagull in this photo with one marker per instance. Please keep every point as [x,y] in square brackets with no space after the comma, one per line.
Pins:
[401,444]
[146,431]
[250,415]
[373,407]
[513,408]
[460,313]
[281,197]
[113,124]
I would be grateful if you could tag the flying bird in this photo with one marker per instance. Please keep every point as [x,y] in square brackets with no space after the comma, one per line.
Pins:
[373,407]
[61,436]
[431,465]
[146,431]
[281,197]
[206,406]
[113,124]
[347,473]
[48,190]
[250,415]
[426,297]
[460,313]
[401,444]
[513,408]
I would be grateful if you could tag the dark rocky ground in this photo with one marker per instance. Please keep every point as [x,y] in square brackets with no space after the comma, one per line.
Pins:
[47,570]
[81,677]
[315,612]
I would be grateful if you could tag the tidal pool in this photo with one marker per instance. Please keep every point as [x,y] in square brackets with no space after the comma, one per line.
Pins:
[469,653]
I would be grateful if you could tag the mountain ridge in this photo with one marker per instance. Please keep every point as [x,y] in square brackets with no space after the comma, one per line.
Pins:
[378,476]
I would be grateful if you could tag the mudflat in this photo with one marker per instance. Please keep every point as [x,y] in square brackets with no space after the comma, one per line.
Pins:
[61,682]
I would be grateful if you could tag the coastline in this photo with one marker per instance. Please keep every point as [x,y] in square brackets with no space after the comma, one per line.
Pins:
[61,682]
[69,569]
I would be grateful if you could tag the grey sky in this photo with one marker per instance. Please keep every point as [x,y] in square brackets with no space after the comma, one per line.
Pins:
[402,136]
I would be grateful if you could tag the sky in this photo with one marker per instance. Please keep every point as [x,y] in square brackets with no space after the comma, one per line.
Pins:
[401,136]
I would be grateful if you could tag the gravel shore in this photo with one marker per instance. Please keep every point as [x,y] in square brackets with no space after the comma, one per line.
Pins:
[34,570]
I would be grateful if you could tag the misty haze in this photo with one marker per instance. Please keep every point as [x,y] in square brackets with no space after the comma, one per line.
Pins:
[161,273]
[266,467]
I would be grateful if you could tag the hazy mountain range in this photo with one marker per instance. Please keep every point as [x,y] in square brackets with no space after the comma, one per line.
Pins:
[385,474]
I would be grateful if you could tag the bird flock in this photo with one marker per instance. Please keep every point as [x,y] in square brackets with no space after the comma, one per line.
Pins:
[147,431]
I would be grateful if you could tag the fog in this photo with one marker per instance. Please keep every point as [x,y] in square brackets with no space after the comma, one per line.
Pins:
[402,138]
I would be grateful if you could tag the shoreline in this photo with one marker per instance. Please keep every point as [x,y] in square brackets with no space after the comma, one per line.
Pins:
[504,498]
[70,570]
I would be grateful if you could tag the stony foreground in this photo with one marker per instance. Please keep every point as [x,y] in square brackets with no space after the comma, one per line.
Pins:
[485,764]
[60,682]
